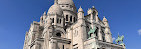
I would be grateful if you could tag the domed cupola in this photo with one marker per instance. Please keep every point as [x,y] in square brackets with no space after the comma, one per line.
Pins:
[55,13]
[55,9]
[67,5]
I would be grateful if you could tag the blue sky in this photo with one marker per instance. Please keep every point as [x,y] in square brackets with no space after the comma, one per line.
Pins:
[124,17]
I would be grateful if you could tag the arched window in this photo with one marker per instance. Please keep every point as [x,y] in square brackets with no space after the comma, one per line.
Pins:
[98,48]
[96,32]
[53,20]
[63,47]
[74,19]
[57,20]
[58,34]
[71,18]
[60,20]
[67,6]
[87,29]
[62,6]
[103,36]
[66,17]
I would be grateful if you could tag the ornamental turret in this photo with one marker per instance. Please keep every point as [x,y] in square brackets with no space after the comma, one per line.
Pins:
[108,35]
[105,21]
[42,19]
[80,13]
[44,15]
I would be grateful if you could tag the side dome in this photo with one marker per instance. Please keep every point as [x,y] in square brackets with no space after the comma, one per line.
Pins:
[55,9]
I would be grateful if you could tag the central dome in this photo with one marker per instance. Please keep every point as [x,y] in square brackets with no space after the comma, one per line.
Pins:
[55,9]
[67,5]
[70,2]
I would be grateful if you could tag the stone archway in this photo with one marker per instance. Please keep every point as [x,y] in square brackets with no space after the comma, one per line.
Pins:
[59,39]
[59,32]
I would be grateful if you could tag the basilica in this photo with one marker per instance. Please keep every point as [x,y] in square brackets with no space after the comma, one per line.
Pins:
[65,27]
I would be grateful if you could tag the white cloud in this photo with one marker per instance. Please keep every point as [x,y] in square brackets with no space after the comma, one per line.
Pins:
[113,38]
[139,31]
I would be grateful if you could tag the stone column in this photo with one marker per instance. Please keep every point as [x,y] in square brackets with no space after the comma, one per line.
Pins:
[92,20]
[72,19]
[55,19]
[68,18]
[99,34]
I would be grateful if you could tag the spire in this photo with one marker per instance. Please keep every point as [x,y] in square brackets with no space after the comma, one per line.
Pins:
[55,1]
[90,11]
[80,9]
[104,19]
[44,13]
[80,13]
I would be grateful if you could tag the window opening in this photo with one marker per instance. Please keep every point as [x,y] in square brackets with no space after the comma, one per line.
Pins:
[71,18]
[57,20]
[66,17]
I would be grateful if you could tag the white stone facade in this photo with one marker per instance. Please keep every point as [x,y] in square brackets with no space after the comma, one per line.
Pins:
[62,27]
